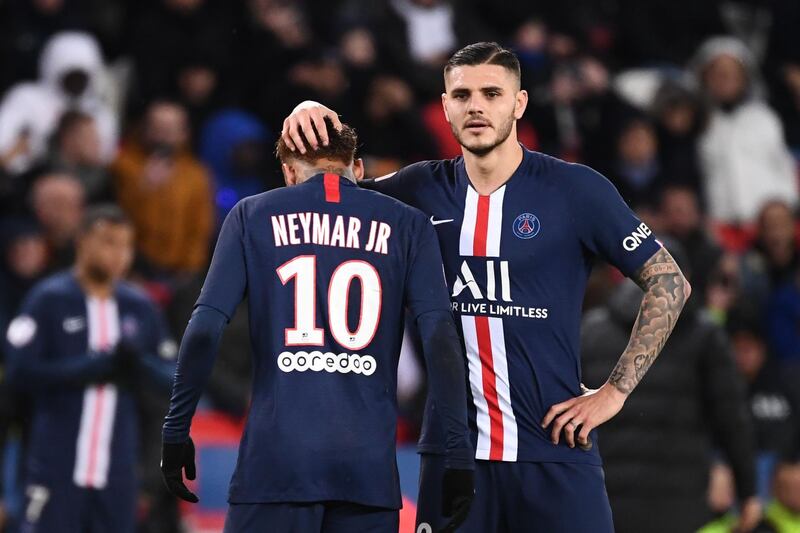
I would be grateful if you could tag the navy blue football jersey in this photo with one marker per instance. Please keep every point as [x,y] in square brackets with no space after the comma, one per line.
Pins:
[328,269]
[517,262]
[83,431]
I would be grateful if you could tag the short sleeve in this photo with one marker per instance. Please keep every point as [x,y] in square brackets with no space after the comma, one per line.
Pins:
[606,226]
[226,280]
[426,289]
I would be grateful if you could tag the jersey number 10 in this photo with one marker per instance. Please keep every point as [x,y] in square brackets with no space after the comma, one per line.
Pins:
[303,269]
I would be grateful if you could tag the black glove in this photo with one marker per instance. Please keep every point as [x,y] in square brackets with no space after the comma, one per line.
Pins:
[175,458]
[125,370]
[458,489]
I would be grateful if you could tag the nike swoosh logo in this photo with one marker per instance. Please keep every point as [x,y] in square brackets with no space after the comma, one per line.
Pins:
[437,222]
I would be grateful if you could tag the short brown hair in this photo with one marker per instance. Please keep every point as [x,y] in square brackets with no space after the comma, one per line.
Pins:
[341,146]
[484,53]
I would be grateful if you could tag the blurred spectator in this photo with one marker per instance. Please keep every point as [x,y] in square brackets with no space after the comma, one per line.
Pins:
[679,119]
[723,293]
[656,452]
[359,54]
[167,193]
[70,70]
[58,200]
[530,44]
[229,387]
[743,155]
[75,148]
[320,78]
[782,67]
[393,132]
[663,32]
[573,117]
[774,258]
[783,513]
[24,262]
[782,316]
[276,38]
[235,146]
[418,36]
[589,24]
[773,402]
[25,26]
[637,170]
[682,219]
[198,84]
[164,38]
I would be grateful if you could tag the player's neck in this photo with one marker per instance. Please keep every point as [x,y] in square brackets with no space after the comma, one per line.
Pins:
[489,172]
[309,173]
[91,286]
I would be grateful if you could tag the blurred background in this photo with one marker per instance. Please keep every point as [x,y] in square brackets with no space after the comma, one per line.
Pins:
[171,109]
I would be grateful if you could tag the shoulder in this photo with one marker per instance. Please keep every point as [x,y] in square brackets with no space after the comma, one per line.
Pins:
[573,182]
[194,168]
[573,176]
[52,287]
[25,93]
[50,294]
[250,204]
[132,294]
[129,160]
[757,114]
[395,207]
[420,171]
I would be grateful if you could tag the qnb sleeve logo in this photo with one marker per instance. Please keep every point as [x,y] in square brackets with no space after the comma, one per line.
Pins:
[316,361]
[632,241]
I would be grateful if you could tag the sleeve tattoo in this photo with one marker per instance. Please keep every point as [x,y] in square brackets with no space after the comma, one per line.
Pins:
[665,293]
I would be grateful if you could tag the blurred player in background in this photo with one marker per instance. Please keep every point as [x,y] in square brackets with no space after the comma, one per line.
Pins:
[83,346]
[518,232]
[328,269]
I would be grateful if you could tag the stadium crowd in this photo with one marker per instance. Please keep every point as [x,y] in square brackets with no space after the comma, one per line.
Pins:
[171,108]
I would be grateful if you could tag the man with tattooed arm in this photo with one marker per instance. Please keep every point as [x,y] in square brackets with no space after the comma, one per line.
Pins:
[518,232]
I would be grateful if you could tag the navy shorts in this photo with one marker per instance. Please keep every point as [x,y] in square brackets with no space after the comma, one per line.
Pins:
[315,517]
[513,497]
[67,508]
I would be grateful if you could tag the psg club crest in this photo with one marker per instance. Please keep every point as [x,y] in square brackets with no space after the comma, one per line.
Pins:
[526,226]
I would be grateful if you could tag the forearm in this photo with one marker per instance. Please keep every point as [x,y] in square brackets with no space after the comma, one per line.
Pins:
[35,374]
[665,293]
[447,384]
[195,362]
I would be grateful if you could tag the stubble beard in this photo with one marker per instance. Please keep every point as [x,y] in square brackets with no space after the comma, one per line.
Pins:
[502,134]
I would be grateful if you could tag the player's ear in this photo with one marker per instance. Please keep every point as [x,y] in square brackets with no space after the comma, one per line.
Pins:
[521,103]
[289,174]
[358,168]
[444,106]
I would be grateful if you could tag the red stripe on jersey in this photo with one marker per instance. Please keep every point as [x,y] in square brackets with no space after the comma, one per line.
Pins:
[490,387]
[102,342]
[332,188]
[481,227]
[95,435]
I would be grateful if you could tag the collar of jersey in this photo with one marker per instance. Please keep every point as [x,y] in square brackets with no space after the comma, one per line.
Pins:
[320,177]
[527,156]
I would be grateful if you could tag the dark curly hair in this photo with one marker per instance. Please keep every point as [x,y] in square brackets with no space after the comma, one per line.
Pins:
[341,146]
